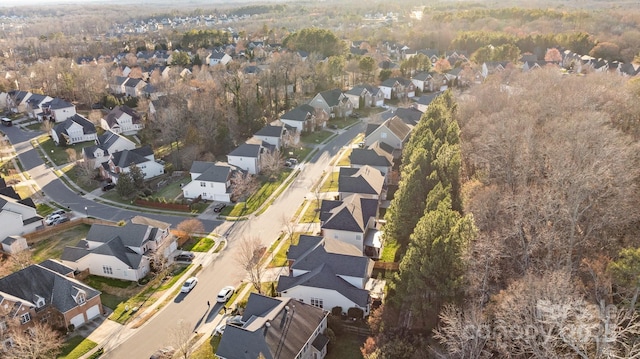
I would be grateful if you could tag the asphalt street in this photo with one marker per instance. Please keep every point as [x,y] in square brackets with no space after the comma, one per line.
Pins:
[192,307]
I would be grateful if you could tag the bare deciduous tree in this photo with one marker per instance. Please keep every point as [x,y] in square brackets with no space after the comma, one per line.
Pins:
[72,156]
[248,258]
[271,163]
[86,170]
[37,341]
[243,185]
[181,339]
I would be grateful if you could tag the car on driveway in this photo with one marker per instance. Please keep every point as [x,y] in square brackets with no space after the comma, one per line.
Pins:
[225,293]
[60,220]
[60,212]
[52,218]
[219,207]
[189,284]
[108,186]
[184,257]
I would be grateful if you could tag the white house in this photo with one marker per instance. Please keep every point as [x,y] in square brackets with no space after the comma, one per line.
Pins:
[305,118]
[218,57]
[210,181]
[271,135]
[122,119]
[394,132]
[74,129]
[122,252]
[120,162]
[58,110]
[398,87]
[18,217]
[17,100]
[35,103]
[349,220]
[423,81]
[106,144]
[327,273]
[379,156]
[247,157]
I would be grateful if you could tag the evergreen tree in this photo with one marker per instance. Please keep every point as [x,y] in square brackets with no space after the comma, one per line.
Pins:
[125,186]
[137,176]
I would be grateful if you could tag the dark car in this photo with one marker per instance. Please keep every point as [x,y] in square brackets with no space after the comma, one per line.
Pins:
[108,186]
[184,257]
[219,207]
[354,115]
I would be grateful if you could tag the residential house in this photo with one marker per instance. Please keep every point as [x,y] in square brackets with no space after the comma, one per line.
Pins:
[34,105]
[398,87]
[492,67]
[432,54]
[246,157]
[327,273]
[17,101]
[121,161]
[409,115]
[424,82]
[117,86]
[276,328]
[272,135]
[40,293]
[74,129]
[18,216]
[362,96]
[14,244]
[305,118]
[106,144]
[209,181]
[333,102]
[379,156]
[366,181]
[134,87]
[58,110]
[394,132]
[422,103]
[122,119]
[121,252]
[349,220]
[218,57]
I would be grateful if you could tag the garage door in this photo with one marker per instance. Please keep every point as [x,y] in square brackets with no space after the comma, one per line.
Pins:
[78,320]
[93,312]
[379,103]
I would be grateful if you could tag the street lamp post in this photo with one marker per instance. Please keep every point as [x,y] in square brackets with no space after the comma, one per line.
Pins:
[86,211]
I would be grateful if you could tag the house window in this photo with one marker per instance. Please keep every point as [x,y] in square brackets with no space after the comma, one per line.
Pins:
[25,318]
[81,298]
[203,184]
[107,270]
[317,302]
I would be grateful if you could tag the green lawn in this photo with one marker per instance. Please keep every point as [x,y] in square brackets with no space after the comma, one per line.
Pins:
[316,137]
[58,154]
[208,349]
[258,198]
[390,250]
[202,244]
[52,247]
[345,346]
[72,172]
[76,347]
[331,183]
[173,190]
[343,122]
[35,126]
[344,160]
[311,214]
[280,257]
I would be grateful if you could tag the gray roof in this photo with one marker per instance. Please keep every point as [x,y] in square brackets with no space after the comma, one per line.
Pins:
[87,126]
[422,76]
[291,325]
[366,156]
[410,116]
[56,267]
[324,277]
[58,103]
[114,115]
[300,113]
[351,214]
[10,240]
[132,234]
[246,150]
[351,263]
[215,173]
[331,97]
[125,158]
[57,289]
[398,127]
[365,180]
[427,99]
[270,131]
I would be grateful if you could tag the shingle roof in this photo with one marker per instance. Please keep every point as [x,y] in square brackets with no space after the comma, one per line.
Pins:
[215,173]
[57,289]
[427,99]
[300,113]
[422,76]
[362,156]
[58,103]
[246,150]
[352,264]
[87,126]
[400,129]
[291,325]
[410,116]
[324,277]
[270,131]
[56,267]
[114,115]
[365,180]
[351,214]
[331,97]
[125,158]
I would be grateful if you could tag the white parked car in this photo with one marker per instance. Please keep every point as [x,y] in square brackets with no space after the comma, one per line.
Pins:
[52,218]
[189,284]
[225,294]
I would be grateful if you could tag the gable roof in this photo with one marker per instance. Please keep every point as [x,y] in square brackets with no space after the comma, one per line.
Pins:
[351,214]
[87,126]
[214,173]
[114,115]
[410,116]
[343,259]
[270,131]
[331,97]
[125,158]
[58,290]
[422,76]
[395,124]
[56,266]
[246,150]
[57,103]
[300,113]
[427,99]
[371,157]
[291,325]
[365,180]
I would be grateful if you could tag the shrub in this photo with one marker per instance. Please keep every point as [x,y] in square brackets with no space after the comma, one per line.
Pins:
[355,313]
[337,311]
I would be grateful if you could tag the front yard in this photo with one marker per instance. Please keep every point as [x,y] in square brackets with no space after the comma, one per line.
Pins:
[316,137]
[258,198]
[52,246]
